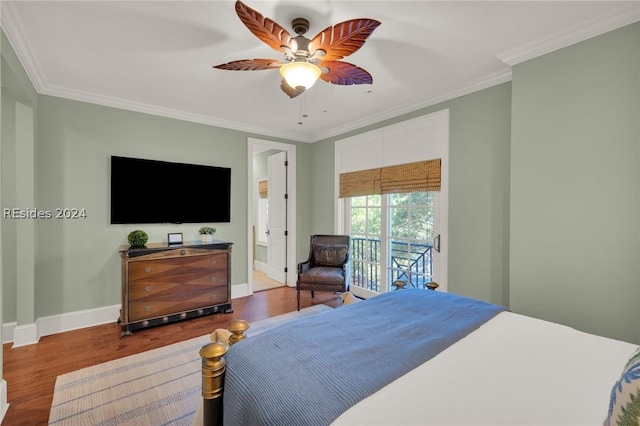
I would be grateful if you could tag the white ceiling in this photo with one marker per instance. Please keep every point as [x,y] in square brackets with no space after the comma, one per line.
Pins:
[157,56]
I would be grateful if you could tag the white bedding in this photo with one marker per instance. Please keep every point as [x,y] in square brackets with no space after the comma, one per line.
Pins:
[514,370]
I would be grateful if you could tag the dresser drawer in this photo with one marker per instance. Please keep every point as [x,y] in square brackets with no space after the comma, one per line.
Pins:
[176,266]
[176,286]
[161,305]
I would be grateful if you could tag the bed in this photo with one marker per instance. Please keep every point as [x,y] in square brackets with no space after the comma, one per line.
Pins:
[419,357]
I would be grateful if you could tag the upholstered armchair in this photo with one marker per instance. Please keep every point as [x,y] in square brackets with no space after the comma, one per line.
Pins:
[327,268]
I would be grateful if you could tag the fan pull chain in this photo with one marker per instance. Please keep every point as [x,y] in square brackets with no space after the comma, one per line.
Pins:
[300,122]
[303,114]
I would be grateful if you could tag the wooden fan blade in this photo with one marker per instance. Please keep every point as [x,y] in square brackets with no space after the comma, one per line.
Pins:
[344,38]
[264,28]
[292,92]
[250,65]
[344,73]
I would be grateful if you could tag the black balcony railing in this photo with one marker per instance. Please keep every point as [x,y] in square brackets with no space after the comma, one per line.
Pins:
[410,262]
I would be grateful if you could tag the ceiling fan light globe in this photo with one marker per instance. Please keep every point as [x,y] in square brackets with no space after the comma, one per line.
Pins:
[298,74]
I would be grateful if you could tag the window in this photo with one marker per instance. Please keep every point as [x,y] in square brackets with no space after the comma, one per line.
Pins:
[262,224]
[392,239]
[410,237]
[365,231]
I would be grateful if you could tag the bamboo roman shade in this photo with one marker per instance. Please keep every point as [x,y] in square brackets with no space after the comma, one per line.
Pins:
[412,177]
[262,188]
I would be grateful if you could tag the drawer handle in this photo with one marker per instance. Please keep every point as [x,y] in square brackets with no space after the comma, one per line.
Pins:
[213,262]
[183,252]
[147,289]
[213,296]
[213,279]
[147,269]
[147,308]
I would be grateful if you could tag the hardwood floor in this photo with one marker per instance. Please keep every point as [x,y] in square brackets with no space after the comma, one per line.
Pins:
[31,371]
[261,281]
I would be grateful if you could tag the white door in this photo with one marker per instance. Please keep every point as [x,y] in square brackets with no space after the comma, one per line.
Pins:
[277,227]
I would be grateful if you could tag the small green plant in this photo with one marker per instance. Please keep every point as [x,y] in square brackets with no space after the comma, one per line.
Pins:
[207,230]
[137,238]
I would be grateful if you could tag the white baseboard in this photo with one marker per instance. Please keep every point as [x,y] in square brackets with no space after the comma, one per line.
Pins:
[25,335]
[7,331]
[79,319]
[239,290]
[260,266]
[4,405]
[22,335]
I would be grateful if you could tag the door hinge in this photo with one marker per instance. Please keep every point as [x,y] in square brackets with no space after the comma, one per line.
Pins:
[286,163]
[286,269]
[286,196]
[286,233]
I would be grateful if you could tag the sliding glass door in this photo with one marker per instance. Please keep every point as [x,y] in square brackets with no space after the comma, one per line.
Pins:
[392,239]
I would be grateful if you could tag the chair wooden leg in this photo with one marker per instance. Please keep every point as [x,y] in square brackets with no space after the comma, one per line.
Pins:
[298,296]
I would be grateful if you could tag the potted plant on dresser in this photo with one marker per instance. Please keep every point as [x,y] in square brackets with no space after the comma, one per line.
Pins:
[206,232]
[137,238]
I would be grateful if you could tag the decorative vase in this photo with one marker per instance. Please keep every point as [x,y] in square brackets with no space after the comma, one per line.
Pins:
[207,238]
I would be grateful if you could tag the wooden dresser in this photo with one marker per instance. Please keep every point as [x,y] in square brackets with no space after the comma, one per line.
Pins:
[163,284]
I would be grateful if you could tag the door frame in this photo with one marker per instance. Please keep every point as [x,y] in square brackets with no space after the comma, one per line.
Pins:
[254,146]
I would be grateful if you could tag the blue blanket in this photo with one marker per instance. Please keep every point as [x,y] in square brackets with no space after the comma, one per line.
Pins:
[309,371]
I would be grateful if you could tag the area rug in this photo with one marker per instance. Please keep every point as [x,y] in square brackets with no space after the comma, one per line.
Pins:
[157,387]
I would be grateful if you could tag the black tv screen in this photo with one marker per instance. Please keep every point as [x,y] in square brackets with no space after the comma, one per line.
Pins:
[150,191]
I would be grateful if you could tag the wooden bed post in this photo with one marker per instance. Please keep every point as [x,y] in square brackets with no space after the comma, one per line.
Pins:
[213,369]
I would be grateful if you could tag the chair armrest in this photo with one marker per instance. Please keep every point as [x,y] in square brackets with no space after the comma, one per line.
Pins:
[345,265]
[304,266]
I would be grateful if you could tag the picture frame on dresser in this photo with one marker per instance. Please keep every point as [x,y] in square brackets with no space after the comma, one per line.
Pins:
[174,239]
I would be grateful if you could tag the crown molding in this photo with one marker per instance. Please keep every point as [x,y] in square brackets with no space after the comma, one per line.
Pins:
[12,29]
[82,96]
[11,26]
[484,83]
[569,36]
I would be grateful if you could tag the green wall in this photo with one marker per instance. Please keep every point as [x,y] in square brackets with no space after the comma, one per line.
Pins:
[543,206]
[75,265]
[18,97]
[77,262]
[78,266]
[479,126]
[8,198]
[544,187]
[575,186]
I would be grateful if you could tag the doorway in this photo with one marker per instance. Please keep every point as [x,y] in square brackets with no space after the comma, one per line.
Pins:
[271,219]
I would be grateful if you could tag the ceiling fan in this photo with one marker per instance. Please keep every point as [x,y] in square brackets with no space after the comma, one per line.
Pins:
[306,60]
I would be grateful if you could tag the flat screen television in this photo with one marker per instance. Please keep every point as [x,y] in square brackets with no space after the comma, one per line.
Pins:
[151,191]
